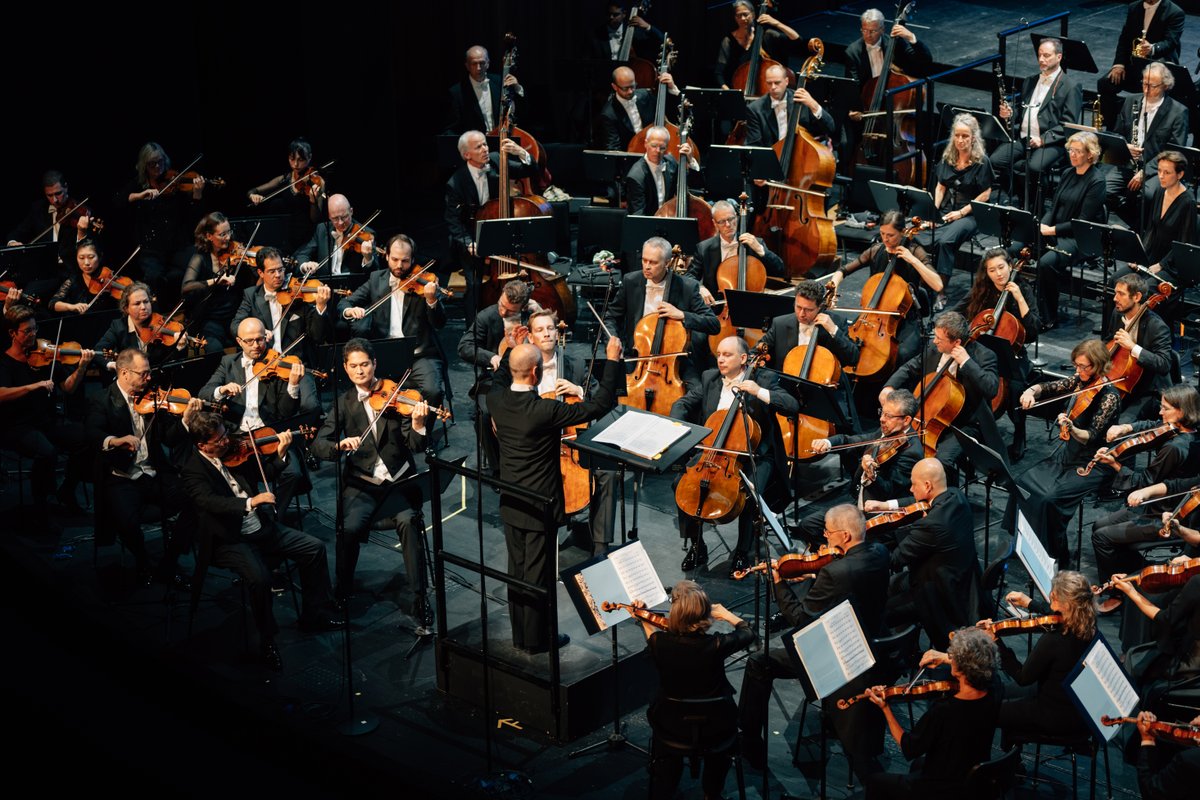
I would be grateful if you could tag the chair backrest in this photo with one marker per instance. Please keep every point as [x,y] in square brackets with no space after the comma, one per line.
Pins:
[699,717]
[991,778]
[896,653]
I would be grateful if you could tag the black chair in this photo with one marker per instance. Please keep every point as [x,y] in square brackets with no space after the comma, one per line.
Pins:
[697,716]
[992,779]
[1071,746]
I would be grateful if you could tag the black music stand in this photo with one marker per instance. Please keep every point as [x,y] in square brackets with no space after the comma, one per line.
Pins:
[599,229]
[609,167]
[731,170]
[836,94]
[909,200]
[756,310]
[1076,55]
[1110,244]
[1185,264]
[990,128]
[637,229]
[1006,223]
[988,460]
[716,104]
[816,400]
[506,237]
[29,263]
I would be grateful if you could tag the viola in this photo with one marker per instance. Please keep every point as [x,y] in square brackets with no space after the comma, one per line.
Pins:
[1191,499]
[297,289]
[1016,625]
[685,205]
[659,621]
[939,399]
[1159,577]
[879,145]
[68,353]
[1124,365]
[1177,732]
[795,565]
[388,397]
[655,383]
[174,181]
[816,364]
[173,401]
[894,519]
[161,330]
[265,441]
[906,692]
[274,365]
[1135,444]
[577,479]
[886,299]
[106,281]
[743,272]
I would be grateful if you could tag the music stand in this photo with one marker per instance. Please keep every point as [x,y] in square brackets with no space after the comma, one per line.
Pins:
[755,310]
[637,229]
[1185,264]
[987,459]
[1076,54]
[1006,223]
[609,166]
[990,128]
[909,200]
[26,261]
[835,93]
[1109,243]
[506,237]
[599,229]
[732,169]
[716,104]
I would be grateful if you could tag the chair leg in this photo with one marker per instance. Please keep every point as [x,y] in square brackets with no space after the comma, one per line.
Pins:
[741,778]
[287,566]
[1107,773]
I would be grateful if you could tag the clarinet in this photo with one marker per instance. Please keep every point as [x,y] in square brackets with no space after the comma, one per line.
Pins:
[1135,138]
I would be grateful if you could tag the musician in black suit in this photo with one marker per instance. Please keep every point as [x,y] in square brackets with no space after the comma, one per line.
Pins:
[237,531]
[864,56]
[629,109]
[46,218]
[651,180]
[860,576]
[1156,121]
[788,331]
[767,117]
[607,39]
[475,100]
[405,315]
[939,570]
[470,187]
[379,452]
[529,429]
[1156,27]
[285,322]
[1148,339]
[1050,98]
[715,249]
[762,400]
[332,250]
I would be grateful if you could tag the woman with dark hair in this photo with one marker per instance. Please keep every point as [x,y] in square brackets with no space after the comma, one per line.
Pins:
[1169,217]
[955,734]
[212,284]
[296,195]
[735,47]
[691,666]
[73,296]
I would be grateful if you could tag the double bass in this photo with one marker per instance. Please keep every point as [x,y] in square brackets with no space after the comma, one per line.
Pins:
[684,205]
[795,224]
[666,58]
[749,77]
[742,272]
[537,153]
[655,383]
[643,68]
[878,142]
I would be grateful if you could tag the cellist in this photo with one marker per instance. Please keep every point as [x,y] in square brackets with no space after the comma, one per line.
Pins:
[1148,340]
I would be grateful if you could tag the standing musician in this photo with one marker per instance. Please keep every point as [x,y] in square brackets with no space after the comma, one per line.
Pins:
[914,265]
[629,109]
[767,117]
[471,186]
[529,431]
[475,100]
[972,365]
[302,198]
[1154,121]
[415,312]
[253,402]
[761,400]
[735,48]
[1054,488]
[1152,30]
[286,322]
[73,295]
[136,321]
[715,249]
[658,291]
[860,576]
[651,180]
[938,580]
[963,175]
[29,422]
[1114,535]
[1051,98]
[1169,776]
[607,39]
[51,220]
[161,221]
[379,448]
[1170,216]
[236,531]
[994,276]
[1148,340]
[213,281]
[340,246]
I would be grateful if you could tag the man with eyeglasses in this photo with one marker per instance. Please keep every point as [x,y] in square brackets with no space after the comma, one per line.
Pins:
[1153,29]
[1157,121]
[860,576]
[333,249]
[651,180]
[629,109]
[715,249]
[285,322]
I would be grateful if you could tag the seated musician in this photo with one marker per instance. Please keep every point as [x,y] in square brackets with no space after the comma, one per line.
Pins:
[860,576]
[1170,217]
[691,666]
[735,48]
[407,314]
[972,365]
[629,109]
[285,322]
[161,222]
[503,323]
[1054,488]
[607,39]
[298,197]
[73,296]
[761,399]
[651,180]
[1170,775]
[1154,121]
[236,531]
[48,218]
[1168,519]
[788,331]
[914,266]
[254,402]
[29,422]
[767,117]
[378,452]
[1050,98]
[1173,456]
[714,250]
[963,175]
[135,326]
[1175,635]
[954,735]
[475,100]
[334,248]
[213,282]
[935,557]
[1152,30]
[995,275]
[1148,340]
[1080,195]
[470,187]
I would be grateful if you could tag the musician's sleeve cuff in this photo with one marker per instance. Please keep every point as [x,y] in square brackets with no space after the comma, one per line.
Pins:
[893,505]
[1136,352]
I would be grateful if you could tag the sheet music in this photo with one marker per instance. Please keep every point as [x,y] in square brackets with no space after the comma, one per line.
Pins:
[1038,563]
[1108,672]
[637,574]
[644,435]
[833,649]
[624,575]
[1101,689]
[849,643]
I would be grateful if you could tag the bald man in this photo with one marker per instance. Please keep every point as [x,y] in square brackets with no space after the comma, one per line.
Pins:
[529,430]
[629,108]
[475,100]
[331,241]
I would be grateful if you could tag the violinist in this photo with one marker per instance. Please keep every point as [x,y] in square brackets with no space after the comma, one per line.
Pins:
[136,321]
[416,313]
[340,246]
[1169,518]
[1154,121]
[469,188]
[913,265]
[1115,535]
[289,320]
[994,276]
[861,576]
[29,422]
[715,249]
[761,399]
[378,454]
[954,735]
[475,100]
[54,214]
[1170,216]
[73,296]
[767,117]
[1055,488]
[299,193]
[213,281]
[1175,635]
[160,224]
[1147,338]
[766,32]
[1152,30]
[1170,776]
[651,180]
[963,175]
[629,109]
[236,532]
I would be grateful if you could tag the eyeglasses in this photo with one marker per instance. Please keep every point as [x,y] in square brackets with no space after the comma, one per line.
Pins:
[628,88]
[255,340]
[1148,85]
[885,415]
[726,221]
[1076,150]
[830,532]
[340,218]
[141,373]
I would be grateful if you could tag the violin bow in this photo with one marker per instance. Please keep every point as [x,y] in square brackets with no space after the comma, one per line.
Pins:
[273,361]
[111,278]
[399,287]
[81,204]
[283,189]
[237,268]
[54,355]
[1056,398]
[180,174]
[258,460]
[395,393]
[346,243]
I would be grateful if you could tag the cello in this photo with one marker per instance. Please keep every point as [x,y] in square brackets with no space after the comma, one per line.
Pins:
[692,207]
[655,383]
[939,399]
[795,223]
[1124,365]
[742,272]
[875,328]
[902,136]
[577,484]
[666,58]
[815,364]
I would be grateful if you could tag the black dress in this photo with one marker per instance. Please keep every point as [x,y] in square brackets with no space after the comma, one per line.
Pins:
[731,55]
[961,186]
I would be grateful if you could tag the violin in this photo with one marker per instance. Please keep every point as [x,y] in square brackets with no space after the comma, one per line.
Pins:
[711,489]
[659,621]
[1159,577]
[794,565]
[1177,732]
[655,383]
[265,441]
[1081,403]
[68,353]
[1124,365]
[878,145]
[1010,627]
[310,184]
[160,330]
[577,480]
[905,692]
[387,397]
[25,297]
[743,272]
[876,332]
[901,516]
[183,182]
[173,401]
[106,281]
[297,289]
[362,241]
[1191,499]
[1135,444]
[415,284]
[939,399]
[279,366]
[816,364]
[249,256]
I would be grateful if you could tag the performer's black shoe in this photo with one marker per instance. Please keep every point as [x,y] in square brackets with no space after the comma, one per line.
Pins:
[697,556]
[272,660]
[423,612]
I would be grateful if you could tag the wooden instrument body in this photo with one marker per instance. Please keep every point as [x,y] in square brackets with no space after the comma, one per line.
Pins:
[816,364]
[939,398]
[711,489]
[876,333]
[655,384]
[577,484]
